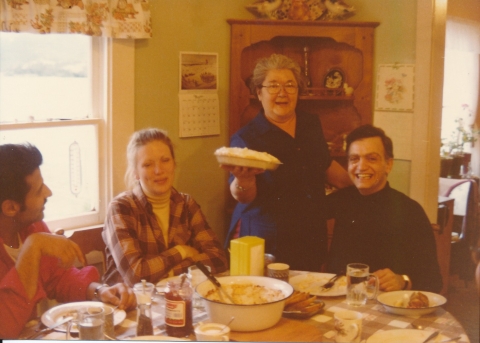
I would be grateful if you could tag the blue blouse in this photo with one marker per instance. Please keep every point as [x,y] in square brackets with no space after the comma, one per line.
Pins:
[287,211]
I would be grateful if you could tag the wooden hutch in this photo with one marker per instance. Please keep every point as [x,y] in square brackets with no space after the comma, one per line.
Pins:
[319,47]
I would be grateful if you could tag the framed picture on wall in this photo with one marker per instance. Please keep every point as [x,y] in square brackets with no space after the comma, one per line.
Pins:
[395,87]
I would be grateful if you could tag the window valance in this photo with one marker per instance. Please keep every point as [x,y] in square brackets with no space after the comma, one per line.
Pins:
[108,18]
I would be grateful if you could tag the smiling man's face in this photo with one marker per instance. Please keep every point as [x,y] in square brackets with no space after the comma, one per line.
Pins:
[367,165]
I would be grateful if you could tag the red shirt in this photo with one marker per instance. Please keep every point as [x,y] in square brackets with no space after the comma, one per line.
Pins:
[55,282]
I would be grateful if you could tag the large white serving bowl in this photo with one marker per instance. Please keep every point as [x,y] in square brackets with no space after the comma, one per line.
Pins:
[390,299]
[247,317]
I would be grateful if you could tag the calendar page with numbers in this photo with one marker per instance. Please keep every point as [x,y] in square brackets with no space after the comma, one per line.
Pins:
[199,114]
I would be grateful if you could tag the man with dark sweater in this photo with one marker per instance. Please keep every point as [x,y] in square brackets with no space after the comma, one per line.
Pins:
[379,226]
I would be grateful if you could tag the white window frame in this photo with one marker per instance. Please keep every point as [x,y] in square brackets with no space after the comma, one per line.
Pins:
[113,79]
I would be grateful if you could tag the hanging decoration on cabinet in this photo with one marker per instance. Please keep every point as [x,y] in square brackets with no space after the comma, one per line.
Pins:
[395,87]
[301,9]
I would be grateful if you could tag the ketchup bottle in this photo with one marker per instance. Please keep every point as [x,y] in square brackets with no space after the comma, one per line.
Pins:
[178,308]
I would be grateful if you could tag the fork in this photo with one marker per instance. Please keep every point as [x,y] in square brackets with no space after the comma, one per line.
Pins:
[329,284]
[48,329]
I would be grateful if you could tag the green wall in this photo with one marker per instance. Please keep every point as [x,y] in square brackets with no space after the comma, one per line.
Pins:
[200,26]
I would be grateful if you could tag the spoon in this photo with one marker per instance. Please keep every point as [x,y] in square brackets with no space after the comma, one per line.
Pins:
[226,325]
[212,278]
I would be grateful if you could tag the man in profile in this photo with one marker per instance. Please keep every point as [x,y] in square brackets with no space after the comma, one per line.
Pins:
[379,226]
[35,264]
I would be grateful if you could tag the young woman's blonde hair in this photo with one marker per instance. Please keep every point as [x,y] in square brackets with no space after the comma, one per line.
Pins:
[139,139]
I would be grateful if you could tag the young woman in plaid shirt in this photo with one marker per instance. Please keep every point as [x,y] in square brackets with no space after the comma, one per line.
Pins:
[153,231]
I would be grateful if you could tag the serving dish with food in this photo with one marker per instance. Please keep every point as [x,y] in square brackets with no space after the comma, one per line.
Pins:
[302,305]
[411,303]
[245,157]
[258,301]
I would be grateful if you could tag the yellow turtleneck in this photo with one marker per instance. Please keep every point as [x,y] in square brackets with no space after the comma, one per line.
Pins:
[161,209]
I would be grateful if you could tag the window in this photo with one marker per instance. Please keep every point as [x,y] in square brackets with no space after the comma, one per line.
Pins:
[50,97]
[461,84]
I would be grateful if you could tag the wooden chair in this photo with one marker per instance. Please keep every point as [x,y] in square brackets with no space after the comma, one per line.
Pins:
[465,223]
[91,242]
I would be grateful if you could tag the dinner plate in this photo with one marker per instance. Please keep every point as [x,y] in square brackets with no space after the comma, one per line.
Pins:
[246,162]
[157,338]
[163,283]
[394,302]
[59,313]
[403,335]
[312,282]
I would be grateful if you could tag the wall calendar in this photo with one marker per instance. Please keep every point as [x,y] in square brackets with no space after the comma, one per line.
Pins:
[199,115]
[199,109]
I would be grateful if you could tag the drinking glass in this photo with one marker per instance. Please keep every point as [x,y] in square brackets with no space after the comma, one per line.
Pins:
[196,276]
[359,284]
[90,324]
[278,271]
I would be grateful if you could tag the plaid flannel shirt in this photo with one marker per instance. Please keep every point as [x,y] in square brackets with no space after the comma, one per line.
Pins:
[136,248]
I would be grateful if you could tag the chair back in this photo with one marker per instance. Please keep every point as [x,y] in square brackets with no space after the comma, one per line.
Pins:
[91,243]
[465,193]
[466,222]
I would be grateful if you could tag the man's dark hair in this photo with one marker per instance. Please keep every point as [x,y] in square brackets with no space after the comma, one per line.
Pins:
[367,131]
[17,161]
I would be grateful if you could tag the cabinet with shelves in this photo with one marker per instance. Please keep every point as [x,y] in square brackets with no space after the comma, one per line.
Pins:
[318,47]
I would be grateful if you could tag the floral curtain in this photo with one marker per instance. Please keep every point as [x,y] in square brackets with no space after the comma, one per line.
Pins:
[107,18]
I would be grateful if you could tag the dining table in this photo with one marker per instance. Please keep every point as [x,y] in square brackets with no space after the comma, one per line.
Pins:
[319,327]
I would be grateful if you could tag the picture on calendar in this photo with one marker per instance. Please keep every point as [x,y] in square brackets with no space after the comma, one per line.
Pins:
[198,71]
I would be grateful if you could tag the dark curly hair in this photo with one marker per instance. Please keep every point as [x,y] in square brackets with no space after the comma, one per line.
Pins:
[17,161]
[367,131]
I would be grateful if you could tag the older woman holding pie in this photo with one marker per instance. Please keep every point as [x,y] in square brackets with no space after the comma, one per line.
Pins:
[284,206]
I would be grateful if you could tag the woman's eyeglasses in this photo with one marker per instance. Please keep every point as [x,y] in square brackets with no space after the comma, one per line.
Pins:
[274,88]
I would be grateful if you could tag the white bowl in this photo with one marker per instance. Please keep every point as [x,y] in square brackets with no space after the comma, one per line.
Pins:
[247,317]
[390,299]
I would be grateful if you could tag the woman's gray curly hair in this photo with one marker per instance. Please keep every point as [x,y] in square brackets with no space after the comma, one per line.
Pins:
[275,61]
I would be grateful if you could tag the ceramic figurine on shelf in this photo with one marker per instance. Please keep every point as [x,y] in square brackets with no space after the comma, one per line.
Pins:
[299,10]
[264,8]
[287,9]
[337,9]
[348,89]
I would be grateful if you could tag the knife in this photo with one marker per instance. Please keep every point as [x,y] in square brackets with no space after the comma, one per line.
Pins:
[433,335]
[50,328]
[212,278]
